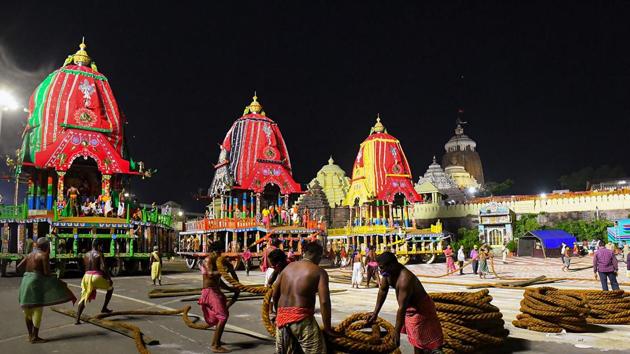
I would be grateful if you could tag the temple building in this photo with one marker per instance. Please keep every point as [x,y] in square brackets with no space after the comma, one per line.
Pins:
[381,188]
[74,138]
[253,169]
[461,177]
[461,152]
[437,187]
[333,181]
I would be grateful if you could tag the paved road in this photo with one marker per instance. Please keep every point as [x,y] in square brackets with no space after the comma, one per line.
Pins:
[245,332]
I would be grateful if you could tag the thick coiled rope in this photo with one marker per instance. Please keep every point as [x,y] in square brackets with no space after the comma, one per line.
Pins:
[351,337]
[552,310]
[549,310]
[469,321]
[607,307]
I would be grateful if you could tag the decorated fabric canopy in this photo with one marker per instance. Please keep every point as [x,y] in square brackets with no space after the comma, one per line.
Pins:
[73,113]
[380,170]
[253,155]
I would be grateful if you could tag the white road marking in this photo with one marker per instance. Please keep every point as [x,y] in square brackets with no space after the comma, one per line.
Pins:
[44,331]
[227,326]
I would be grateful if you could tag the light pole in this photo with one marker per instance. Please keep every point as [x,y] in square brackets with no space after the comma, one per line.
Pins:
[7,102]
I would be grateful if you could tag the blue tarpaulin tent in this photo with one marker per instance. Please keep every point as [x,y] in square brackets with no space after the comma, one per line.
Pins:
[544,243]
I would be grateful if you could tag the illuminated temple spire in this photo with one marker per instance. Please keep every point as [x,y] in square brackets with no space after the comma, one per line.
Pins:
[81,57]
[378,127]
[255,107]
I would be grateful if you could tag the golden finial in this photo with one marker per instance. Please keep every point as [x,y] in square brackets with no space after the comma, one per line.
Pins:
[255,106]
[81,57]
[330,160]
[378,127]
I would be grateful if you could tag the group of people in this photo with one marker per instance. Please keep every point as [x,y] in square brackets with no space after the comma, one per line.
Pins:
[297,283]
[479,258]
[40,287]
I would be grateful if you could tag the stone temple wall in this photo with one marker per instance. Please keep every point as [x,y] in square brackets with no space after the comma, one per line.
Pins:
[606,206]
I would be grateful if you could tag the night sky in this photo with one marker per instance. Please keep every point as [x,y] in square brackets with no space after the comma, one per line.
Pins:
[545,88]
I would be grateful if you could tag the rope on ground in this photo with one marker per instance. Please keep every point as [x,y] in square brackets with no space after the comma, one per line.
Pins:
[469,321]
[445,274]
[550,310]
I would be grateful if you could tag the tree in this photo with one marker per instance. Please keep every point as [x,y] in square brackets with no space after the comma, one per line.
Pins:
[525,224]
[498,188]
[577,180]
[586,230]
[466,237]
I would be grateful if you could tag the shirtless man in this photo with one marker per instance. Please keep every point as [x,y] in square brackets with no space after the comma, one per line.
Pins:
[294,301]
[416,314]
[278,261]
[73,198]
[96,277]
[38,288]
[372,266]
[212,301]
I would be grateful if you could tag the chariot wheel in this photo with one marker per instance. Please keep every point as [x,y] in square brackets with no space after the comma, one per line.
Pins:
[235,263]
[427,258]
[403,259]
[3,267]
[115,268]
[191,263]
[132,266]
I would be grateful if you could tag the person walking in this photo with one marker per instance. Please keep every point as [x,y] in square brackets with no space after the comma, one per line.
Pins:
[450,263]
[566,259]
[247,256]
[504,252]
[357,269]
[156,265]
[474,256]
[483,263]
[605,266]
[461,257]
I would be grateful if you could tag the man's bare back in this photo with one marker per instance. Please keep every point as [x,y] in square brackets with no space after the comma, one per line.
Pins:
[36,262]
[93,261]
[299,283]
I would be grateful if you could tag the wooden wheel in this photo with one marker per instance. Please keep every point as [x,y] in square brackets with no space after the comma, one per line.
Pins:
[132,266]
[403,259]
[116,267]
[191,263]
[3,267]
[427,258]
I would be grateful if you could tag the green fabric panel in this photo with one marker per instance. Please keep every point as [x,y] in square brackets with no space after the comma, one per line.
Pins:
[83,73]
[36,119]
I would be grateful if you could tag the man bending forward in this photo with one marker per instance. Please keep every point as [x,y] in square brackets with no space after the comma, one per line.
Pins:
[294,299]
[416,314]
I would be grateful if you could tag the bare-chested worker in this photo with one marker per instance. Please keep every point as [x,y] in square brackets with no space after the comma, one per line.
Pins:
[213,302]
[73,199]
[372,266]
[294,300]
[38,288]
[96,277]
[416,314]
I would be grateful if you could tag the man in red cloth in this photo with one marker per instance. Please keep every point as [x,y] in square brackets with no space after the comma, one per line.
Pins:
[416,314]
[213,302]
[294,300]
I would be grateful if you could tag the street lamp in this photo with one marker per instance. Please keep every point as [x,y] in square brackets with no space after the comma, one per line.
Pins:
[7,103]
